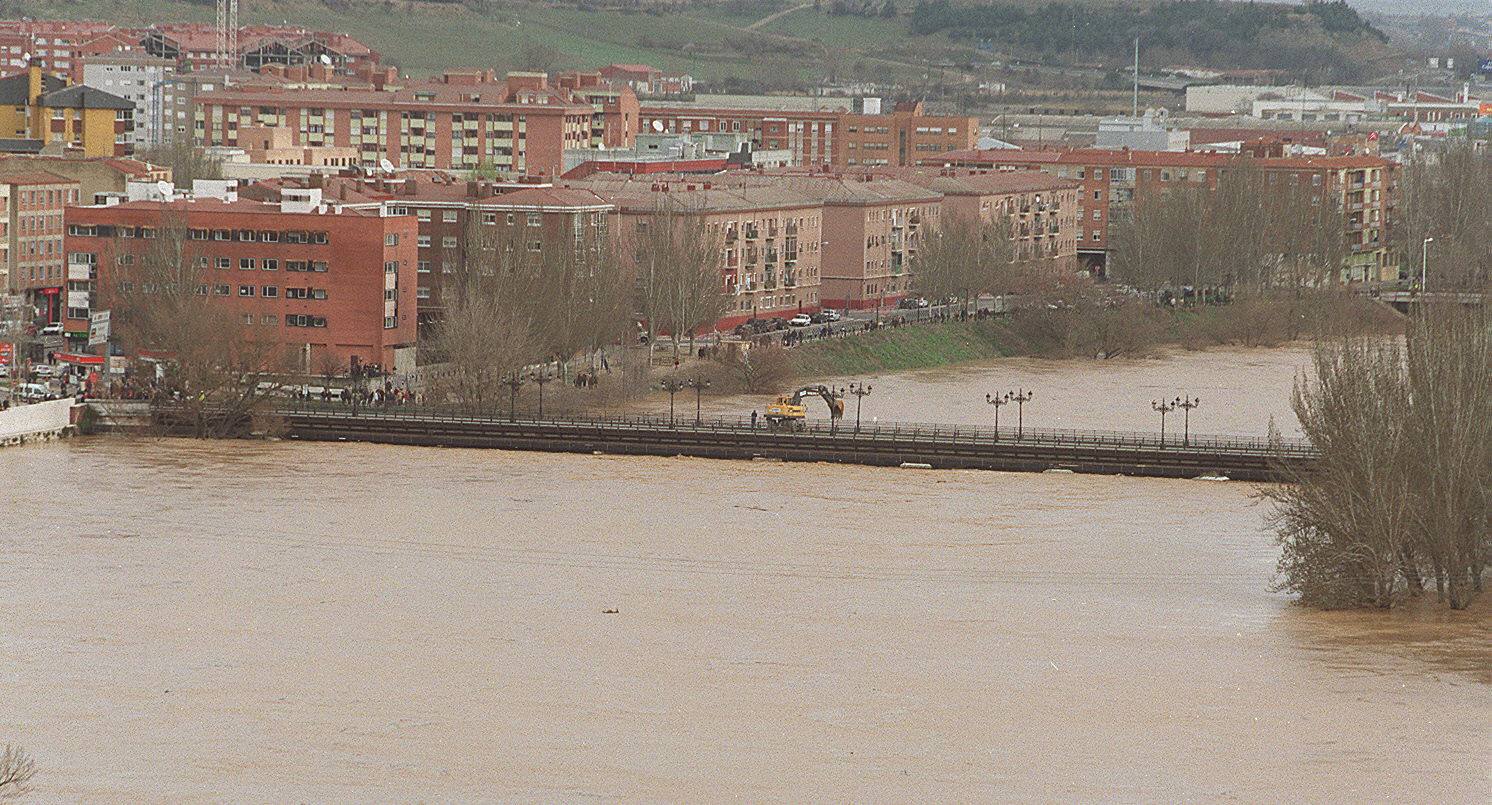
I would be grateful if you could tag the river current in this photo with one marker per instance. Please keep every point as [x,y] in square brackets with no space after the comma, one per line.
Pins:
[250,621]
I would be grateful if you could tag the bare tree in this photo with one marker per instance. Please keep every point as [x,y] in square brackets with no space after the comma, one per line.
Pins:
[1400,490]
[1448,198]
[679,282]
[966,257]
[186,161]
[16,770]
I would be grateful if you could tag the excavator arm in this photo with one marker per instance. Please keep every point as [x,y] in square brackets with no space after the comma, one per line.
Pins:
[831,398]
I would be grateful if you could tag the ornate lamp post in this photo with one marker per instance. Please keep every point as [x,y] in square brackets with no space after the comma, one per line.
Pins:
[541,377]
[1164,408]
[1186,407]
[699,385]
[997,400]
[1020,398]
[513,380]
[673,386]
[861,391]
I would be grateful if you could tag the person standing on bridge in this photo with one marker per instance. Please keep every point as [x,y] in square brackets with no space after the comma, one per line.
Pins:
[753,419]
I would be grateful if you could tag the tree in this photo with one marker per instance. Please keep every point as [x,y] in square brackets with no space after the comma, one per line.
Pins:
[1399,492]
[16,770]
[482,344]
[1449,199]
[966,257]
[186,161]
[215,361]
[679,282]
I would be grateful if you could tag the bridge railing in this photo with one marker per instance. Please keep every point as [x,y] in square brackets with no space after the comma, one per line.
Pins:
[842,431]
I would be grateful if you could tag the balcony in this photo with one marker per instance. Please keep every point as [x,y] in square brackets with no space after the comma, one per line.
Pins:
[789,279]
[752,233]
[731,235]
[771,256]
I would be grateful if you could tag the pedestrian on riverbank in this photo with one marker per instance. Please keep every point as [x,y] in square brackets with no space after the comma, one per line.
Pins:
[753,419]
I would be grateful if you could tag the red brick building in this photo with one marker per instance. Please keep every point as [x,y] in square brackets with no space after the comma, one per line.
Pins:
[832,136]
[452,213]
[518,126]
[32,229]
[1364,187]
[329,283]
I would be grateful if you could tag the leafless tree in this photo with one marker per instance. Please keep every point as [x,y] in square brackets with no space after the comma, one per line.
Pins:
[1400,490]
[186,161]
[966,257]
[679,282]
[1448,198]
[16,770]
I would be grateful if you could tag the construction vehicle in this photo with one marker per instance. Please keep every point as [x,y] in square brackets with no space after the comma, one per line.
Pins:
[788,411]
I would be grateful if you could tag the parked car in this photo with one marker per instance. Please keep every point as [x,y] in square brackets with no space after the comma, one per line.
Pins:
[4,370]
[52,329]
[830,314]
[33,392]
[912,303]
[43,370]
[800,320]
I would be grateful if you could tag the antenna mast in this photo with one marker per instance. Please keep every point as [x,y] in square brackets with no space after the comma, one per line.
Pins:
[1136,76]
[227,30]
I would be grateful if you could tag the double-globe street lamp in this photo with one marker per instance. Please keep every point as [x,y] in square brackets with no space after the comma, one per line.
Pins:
[861,391]
[1186,404]
[1020,397]
[699,385]
[673,386]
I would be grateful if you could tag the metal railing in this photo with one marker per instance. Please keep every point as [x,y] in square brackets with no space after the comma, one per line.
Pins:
[840,432]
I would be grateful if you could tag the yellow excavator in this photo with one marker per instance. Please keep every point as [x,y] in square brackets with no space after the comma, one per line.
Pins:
[788,412]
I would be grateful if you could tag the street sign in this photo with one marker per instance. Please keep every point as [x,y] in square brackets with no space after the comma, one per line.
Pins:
[98,328]
[7,353]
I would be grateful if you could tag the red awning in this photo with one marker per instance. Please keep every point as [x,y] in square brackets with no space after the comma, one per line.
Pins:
[79,359]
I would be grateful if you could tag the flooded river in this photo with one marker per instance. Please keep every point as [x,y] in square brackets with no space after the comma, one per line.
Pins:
[189,621]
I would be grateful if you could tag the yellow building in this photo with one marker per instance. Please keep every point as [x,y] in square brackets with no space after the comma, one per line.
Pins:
[43,108]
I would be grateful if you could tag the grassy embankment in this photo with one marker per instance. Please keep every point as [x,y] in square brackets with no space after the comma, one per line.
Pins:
[1133,330]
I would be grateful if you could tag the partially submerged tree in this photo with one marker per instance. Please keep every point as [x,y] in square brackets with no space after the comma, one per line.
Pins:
[1400,491]
[16,770]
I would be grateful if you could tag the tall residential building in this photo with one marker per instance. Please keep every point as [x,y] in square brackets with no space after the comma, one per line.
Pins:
[518,126]
[34,229]
[147,82]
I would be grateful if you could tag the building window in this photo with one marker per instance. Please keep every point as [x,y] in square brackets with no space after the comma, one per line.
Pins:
[223,262]
[448,242]
[423,242]
[391,239]
[535,219]
[221,289]
[246,264]
[423,266]
[245,290]
[271,264]
[448,216]
[269,291]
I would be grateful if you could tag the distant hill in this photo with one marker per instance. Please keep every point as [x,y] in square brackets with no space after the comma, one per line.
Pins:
[756,45]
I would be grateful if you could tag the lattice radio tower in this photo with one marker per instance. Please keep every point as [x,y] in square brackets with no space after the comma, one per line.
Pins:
[227,54]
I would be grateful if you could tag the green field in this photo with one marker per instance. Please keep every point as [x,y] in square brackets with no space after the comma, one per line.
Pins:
[709,42]
[917,346]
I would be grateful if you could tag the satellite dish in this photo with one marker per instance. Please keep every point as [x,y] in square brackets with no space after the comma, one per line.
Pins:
[658,126]
[165,188]
[388,167]
[325,59]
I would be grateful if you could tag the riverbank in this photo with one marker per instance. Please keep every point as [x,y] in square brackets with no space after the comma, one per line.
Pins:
[1100,332]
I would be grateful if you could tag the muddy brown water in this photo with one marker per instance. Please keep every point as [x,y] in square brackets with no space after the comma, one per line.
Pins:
[193,621]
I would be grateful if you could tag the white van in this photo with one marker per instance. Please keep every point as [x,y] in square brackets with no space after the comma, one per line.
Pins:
[33,392]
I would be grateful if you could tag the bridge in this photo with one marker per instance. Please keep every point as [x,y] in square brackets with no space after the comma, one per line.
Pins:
[1403,300]
[882,444]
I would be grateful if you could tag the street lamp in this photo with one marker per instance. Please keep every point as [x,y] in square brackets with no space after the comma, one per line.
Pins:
[997,400]
[1424,263]
[673,386]
[1164,408]
[541,377]
[513,380]
[1020,398]
[699,385]
[1186,407]
[861,391]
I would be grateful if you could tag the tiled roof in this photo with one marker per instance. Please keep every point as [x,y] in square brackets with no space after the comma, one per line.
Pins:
[35,177]
[85,97]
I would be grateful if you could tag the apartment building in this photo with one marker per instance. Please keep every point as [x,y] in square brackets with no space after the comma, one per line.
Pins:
[769,238]
[328,283]
[452,214]
[37,106]
[1041,210]
[648,80]
[828,135]
[615,113]
[33,233]
[1364,187]
[518,126]
[147,82]
[59,47]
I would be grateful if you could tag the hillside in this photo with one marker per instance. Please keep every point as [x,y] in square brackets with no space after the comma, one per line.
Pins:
[751,45]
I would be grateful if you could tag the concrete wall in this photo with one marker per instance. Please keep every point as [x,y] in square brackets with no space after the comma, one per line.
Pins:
[39,421]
